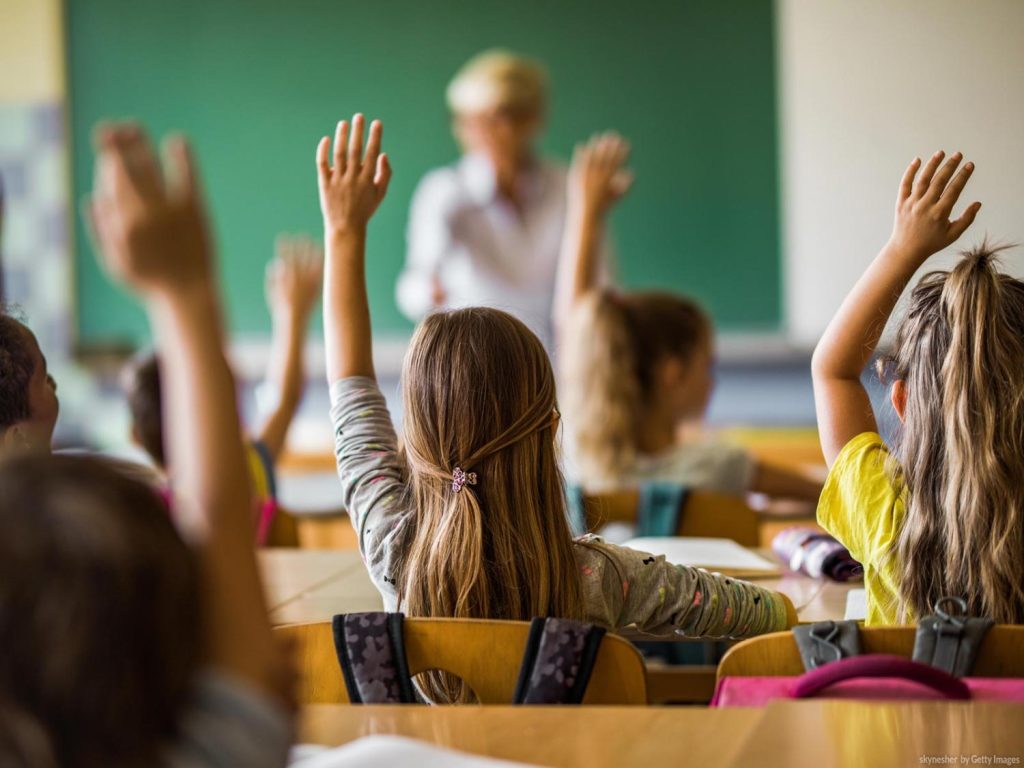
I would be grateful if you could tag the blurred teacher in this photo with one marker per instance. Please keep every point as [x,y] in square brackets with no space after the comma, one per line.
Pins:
[487,230]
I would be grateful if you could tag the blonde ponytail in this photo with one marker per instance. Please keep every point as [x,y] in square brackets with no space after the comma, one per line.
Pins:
[612,346]
[960,458]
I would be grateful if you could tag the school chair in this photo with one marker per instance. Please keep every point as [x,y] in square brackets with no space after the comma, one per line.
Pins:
[284,530]
[699,513]
[330,531]
[667,684]
[1001,653]
[485,654]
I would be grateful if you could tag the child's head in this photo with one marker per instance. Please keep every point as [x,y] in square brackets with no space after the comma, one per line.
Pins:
[497,102]
[479,395]
[628,359]
[28,394]
[957,366]
[99,614]
[141,383]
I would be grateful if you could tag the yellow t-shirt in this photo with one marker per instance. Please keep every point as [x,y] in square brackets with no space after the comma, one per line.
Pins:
[859,506]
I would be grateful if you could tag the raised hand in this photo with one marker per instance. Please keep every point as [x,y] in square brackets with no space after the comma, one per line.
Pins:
[351,188]
[925,203]
[294,277]
[598,177]
[150,228]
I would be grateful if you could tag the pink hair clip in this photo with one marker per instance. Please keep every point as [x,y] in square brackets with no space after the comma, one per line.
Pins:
[460,478]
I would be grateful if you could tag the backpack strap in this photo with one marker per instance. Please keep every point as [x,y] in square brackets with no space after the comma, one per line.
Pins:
[660,508]
[824,642]
[950,640]
[576,509]
[557,662]
[371,652]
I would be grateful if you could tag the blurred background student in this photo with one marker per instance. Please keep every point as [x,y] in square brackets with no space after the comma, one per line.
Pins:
[487,229]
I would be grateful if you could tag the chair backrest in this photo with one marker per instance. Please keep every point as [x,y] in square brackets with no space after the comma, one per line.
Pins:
[284,530]
[1001,653]
[326,531]
[486,654]
[704,513]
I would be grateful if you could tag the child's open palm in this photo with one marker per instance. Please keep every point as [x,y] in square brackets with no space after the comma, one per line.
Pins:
[150,229]
[295,276]
[351,188]
[925,203]
[598,177]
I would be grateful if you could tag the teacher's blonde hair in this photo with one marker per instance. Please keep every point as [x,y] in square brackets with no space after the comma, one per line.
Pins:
[498,79]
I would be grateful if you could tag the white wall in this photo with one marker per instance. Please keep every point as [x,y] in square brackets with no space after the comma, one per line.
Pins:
[864,87]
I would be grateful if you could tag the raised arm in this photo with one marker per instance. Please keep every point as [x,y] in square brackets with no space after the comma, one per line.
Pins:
[350,191]
[153,238]
[294,281]
[922,227]
[597,180]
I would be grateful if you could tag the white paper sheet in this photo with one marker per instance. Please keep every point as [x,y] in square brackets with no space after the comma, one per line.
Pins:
[856,604]
[386,751]
[706,553]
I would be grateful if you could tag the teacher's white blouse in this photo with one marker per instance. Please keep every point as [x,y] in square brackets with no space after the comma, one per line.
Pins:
[481,250]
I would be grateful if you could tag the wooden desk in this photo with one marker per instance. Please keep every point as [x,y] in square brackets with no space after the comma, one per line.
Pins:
[289,574]
[306,586]
[550,736]
[846,733]
[792,734]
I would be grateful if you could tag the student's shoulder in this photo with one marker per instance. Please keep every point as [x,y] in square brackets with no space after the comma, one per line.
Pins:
[229,722]
[862,458]
[860,503]
[595,555]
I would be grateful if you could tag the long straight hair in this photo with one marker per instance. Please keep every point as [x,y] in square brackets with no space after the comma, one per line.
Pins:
[959,462]
[479,396]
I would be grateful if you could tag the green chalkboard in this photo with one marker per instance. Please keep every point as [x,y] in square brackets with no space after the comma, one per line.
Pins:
[255,83]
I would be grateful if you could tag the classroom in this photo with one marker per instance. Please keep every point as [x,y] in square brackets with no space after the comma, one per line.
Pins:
[486,385]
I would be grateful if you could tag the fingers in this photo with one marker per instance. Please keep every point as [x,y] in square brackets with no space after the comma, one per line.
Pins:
[355,149]
[340,146]
[113,176]
[373,148]
[182,173]
[959,226]
[907,182]
[952,191]
[323,157]
[622,182]
[925,178]
[382,177]
[142,162]
[943,176]
[95,220]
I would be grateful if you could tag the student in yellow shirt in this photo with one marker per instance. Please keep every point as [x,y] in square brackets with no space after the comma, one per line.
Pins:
[942,512]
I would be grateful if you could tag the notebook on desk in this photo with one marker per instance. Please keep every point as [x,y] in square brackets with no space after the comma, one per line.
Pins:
[385,750]
[718,555]
[856,605]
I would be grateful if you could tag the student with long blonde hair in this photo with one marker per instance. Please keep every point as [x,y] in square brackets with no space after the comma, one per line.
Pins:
[471,521]
[636,368]
[941,512]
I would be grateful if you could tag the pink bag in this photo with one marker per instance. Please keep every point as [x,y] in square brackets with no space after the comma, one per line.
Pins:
[875,676]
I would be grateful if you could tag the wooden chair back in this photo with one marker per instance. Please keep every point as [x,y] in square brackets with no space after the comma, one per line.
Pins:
[326,531]
[704,513]
[485,654]
[284,530]
[1001,653]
